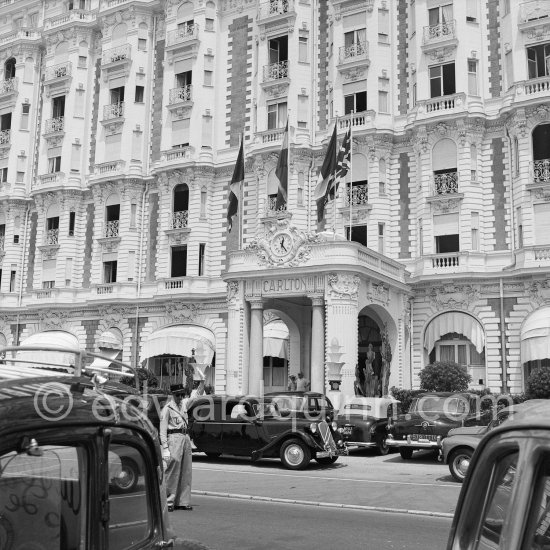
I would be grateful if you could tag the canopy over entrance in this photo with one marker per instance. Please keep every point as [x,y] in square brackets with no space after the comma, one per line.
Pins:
[111,339]
[276,339]
[535,336]
[181,340]
[50,338]
[454,321]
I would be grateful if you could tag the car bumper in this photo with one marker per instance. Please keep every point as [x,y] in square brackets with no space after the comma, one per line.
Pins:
[361,444]
[414,443]
[326,454]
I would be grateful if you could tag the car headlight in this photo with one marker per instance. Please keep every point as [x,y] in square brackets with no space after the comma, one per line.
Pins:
[313,427]
[334,426]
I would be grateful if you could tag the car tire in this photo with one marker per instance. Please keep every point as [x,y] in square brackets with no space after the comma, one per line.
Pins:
[406,453]
[326,460]
[213,455]
[295,454]
[382,447]
[128,478]
[459,461]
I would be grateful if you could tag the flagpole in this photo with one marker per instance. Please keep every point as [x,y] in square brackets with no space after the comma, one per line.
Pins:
[351,175]
[288,160]
[334,184]
[241,201]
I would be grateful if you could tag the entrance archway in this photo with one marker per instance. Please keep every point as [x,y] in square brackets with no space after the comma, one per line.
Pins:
[276,355]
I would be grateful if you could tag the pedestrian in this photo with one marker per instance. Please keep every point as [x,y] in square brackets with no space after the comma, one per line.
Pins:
[176,449]
[291,383]
[302,384]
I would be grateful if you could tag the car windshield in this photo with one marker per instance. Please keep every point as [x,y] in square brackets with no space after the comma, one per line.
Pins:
[289,402]
[438,404]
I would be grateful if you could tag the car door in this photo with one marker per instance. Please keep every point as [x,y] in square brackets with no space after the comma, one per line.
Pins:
[206,421]
[240,429]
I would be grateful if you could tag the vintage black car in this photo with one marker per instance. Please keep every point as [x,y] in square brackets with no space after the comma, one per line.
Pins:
[363,422]
[505,499]
[263,428]
[430,418]
[305,404]
[61,443]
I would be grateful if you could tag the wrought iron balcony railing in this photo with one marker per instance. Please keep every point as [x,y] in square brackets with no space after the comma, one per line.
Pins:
[5,137]
[180,219]
[276,71]
[177,95]
[114,110]
[183,34]
[2,241]
[55,125]
[119,53]
[541,171]
[359,195]
[59,71]
[271,207]
[111,228]
[52,236]
[446,183]
[439,32]
[353,52]
[8,86]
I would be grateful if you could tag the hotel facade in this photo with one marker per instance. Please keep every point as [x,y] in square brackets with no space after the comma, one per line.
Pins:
[120,124]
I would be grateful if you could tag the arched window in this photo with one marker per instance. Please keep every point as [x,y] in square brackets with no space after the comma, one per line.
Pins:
[210,15]
[119,35]
[180,212]
[142,36]
[444,165]
[184,15]
[541,153]
[52,224]
[62,52]
[112,216]
[9,68]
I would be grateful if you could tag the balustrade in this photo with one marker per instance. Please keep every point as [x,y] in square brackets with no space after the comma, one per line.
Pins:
[446,183]
[271,207]
[355,51]
[114,110]
[439,32]
[541,171]
[8,86]
[111,228]
[180,219]
[2,241]
[359,195]
[5,137]
[446,260]
[183,34]
[276,71]
[58,71]
[52,236]
[119,53]
[177,95]
[55,125]
[539,85]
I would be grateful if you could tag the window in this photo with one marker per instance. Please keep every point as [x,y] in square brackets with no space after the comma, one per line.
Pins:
[274,372]
[179,261]
[82,61]
[381,238]
[509,62]
[180,133]
[471,11]
[519,221]
[54,164]
[302,49]
[538,60]
[204,198]
[5,122]
[109,271]
[20,177]
[276,115]
[278,49]
[442,15]
[303,111]
[355,42]
[442,80]
[516,155]
[542,223]
[383,101]
[202,248]
[358,234]
[68,271]
[355,103]
[3,175]
[472,77]
[142,44]
[72,218]
[208,80]
[13,275]
[139,94]
[446,233]
[117,95]
[25,108]
[9,68]
[475,231]
[131,268]
[16,239]
[383,26]
[412,17]
[58,106]
[473,162]
[208,24]
[133,212]
[420,237]
[506,4]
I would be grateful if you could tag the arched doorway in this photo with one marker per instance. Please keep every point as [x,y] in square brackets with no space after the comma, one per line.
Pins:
[276,355]
[369,357]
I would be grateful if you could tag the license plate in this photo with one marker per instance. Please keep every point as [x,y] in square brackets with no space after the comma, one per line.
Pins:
[423,437]
[347,430]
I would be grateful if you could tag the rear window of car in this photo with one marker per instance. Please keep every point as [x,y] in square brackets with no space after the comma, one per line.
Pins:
[438,404]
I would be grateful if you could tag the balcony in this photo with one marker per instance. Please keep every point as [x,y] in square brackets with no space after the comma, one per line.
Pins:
[182,40]
[273,136]
[439,37]
[54,131]
[5,139]
[51,179]
[179,229]
[534,20]
[359,121]
[539,175]
[116,60]
[445,105]
[8,90]
[445,184]
[275,78]
[270,209]
[280,11]
[109,169]
[52,236]
[356,203]
[180,100]
[24,35]
[68,19]
[449,261]
[60,71]
[2,245]
[111,229]
[178,154]
[113,117]
[180,219]
[353,60]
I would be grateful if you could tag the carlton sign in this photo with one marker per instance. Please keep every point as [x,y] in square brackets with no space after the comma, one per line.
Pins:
[302,285]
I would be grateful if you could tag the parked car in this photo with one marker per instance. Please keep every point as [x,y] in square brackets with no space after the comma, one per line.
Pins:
[505,499]
[305,404]
[430,418]
[363,422]
[60,445]
[264,428]
[460,444]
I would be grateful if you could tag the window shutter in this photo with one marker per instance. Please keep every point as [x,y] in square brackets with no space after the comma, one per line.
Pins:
[180,131]
[542,223]
[445,224]
[48,270]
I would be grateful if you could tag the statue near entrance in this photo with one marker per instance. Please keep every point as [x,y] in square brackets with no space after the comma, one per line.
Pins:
[359,384]
[385,351]
[370,378]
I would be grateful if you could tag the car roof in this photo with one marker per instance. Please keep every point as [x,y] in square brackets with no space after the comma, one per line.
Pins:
[523,406]
[446,394]
[295,393]
[527,415]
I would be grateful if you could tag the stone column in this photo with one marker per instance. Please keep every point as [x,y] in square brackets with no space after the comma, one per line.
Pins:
[256,371]
[317,354]
[235,382]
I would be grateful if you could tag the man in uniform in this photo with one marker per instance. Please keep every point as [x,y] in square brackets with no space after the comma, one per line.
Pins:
[176,449]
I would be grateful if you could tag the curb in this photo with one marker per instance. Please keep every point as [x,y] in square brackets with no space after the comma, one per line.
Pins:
[326,504]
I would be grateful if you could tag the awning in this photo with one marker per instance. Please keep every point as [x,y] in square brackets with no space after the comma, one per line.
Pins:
[100,362]
[276,340]
[535,336]
[181,340]
[50,338]
[454,321]
[111,339]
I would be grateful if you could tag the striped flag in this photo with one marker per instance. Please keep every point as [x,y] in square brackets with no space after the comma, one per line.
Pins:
[325,180]
[343,163]
[282,173]
[234,188]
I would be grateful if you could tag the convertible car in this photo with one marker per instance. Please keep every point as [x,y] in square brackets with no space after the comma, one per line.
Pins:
[259,428]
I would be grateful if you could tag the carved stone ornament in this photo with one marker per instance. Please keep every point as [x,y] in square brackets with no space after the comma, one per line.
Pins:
[420,140]
[353,74]
[179,311]
[540,113]
[446,205]
[278,90]
[453,296]
[232,292]
[114,315]
[343,286]
[542,194]
[379,293]
[270,316]
[539,291]
[282,245]
[53,319]
[441,54]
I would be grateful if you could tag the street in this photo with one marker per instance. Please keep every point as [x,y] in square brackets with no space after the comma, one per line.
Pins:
[231,524]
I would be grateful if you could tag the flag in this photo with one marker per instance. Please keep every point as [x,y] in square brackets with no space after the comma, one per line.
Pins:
[343,162]
[325,180]
[234,188]
[282,172]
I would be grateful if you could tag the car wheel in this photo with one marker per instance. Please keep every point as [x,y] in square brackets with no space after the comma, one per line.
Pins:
[128,477]
[406,453]
[326,460]
[382,447]
[459,462]
[295,454]
[213,455]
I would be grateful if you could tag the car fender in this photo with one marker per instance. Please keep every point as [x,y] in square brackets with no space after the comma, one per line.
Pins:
[448,445]
[277,442]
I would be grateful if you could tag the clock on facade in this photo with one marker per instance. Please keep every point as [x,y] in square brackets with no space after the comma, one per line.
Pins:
[282,244]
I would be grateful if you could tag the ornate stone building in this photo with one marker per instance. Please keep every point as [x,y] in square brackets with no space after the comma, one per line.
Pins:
[120,123]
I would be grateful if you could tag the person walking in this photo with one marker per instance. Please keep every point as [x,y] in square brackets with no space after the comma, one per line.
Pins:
[302,384]
[176,449]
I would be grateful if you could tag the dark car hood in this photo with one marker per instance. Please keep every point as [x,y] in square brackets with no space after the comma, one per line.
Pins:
[353,418]
[429,424]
